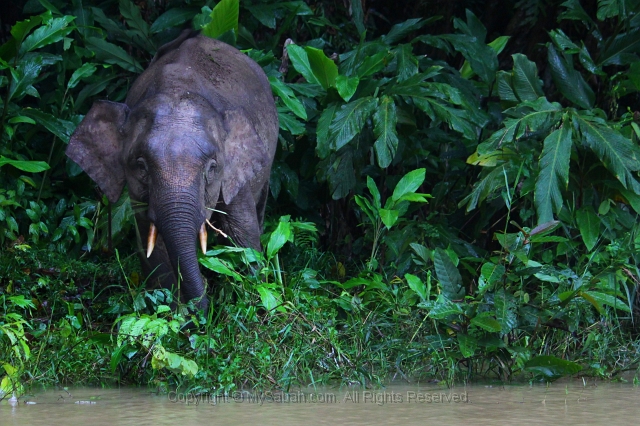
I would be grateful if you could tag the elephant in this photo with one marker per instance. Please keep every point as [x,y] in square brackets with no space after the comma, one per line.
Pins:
[194,141]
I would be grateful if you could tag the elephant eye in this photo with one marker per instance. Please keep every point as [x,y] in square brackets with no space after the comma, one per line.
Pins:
[142,165]
[210,170]
[142,168]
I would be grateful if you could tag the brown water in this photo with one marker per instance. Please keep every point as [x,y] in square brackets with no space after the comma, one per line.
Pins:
[568,402]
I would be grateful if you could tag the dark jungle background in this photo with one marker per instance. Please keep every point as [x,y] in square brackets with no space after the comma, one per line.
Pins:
[455,197]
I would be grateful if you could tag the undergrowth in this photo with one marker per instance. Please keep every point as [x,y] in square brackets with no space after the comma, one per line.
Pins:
[443,206]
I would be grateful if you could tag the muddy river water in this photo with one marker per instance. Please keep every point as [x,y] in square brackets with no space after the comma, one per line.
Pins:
[572,402]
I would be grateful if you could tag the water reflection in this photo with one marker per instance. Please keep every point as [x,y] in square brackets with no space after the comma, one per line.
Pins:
[562,402]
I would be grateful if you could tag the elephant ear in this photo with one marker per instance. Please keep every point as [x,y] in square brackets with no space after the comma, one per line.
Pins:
[96,146]
[246,154]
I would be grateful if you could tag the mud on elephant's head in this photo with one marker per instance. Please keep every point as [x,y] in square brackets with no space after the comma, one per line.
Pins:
[184,147]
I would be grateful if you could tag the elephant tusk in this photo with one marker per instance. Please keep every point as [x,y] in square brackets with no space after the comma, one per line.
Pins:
[151,239]
[203,238]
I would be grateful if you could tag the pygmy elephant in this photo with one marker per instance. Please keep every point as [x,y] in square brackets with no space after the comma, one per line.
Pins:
[196,136]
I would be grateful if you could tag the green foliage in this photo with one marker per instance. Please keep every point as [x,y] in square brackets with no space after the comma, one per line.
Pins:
[394,207]
[14,343]
[554,173]
[150,335]
[551,367]
[224,18]
[526,250]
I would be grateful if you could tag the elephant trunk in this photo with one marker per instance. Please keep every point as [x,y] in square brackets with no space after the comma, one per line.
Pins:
[178,217]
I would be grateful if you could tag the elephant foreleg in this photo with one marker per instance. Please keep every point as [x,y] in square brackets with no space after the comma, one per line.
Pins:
[262,204]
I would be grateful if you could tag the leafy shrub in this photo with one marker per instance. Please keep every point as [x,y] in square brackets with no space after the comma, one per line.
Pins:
[527,248]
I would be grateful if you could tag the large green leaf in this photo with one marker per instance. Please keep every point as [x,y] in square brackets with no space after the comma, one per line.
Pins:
[551,367]
[608,9]
[288,97]
[443,308]
[385,121]
[172,18]
[224,18]
[108,24]
[86,70]
[411,85]
[24,75]
[448,275]
[490,274]
[323,68]
[25,166]
[389,217]
[131,14]
[622,50]
[20,29]
[473,27]
[341,175]
[526,83]
[112,54]
[505,306]
[569,81]
[372,64]
[528,116]
[375,193]
[401,30]
[346,86]
[482,58]
[267,14]
[290,123]
[300,61]
[408,184]
[619,154]
[281,174]
[406,62]
[91,89]
[59,127]
[458,119]
[486,323]
[575,11]
[631,198]
[351,62]
[366,207]
[280,236]
[121,215]
[606,299]
[468,345]
[269,297]
[563,41]
[358,16]
[589,226]
[497,45]
[417,286]
[221,267]
[323,147]
[554,173]
[488,184]
[55,30]
[349,120]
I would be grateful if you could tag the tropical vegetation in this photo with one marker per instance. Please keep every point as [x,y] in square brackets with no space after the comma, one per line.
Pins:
[455,197]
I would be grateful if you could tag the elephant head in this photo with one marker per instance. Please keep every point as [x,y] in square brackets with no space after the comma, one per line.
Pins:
[185,145]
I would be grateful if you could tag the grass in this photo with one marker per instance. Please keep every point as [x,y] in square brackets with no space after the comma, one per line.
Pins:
[92,322]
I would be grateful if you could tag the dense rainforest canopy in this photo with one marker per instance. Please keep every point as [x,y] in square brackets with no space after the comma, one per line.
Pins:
[455,196]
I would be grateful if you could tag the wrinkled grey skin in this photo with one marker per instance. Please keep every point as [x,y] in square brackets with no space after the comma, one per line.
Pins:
[198,131]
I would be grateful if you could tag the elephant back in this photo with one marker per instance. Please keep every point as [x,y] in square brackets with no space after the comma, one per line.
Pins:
[216,71]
